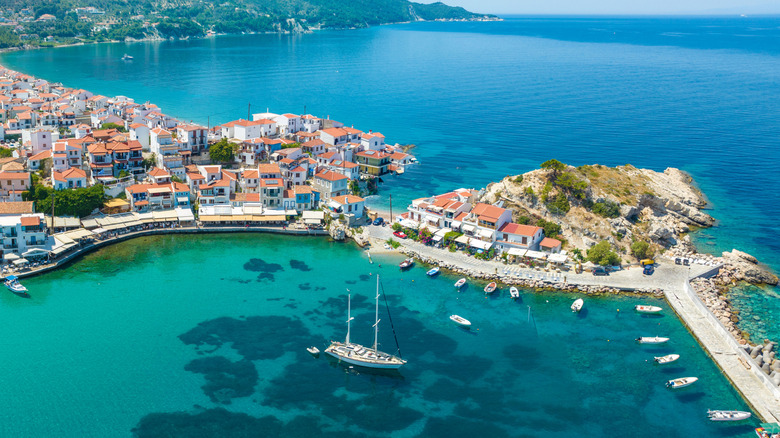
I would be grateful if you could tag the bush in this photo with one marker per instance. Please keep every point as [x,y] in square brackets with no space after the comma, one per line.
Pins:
[530,192]
[602,254]
[559,205]
[519,179]
[450,237]
[524,220]
[642,250]
[551,229]
[393,243]
[396,226]
[606,209]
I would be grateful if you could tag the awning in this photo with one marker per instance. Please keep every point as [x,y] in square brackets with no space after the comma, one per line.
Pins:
[558,258]
[516,252]
[77,234]
[535,254]
[185,214]
[182,199]
[209,218]
[488,234]
[476,243]
[469,228]
[165,215]
[253,209]
[146,218]
[61,249]
[63,239]
[89,223]
[312,221]
[10,256]
[440,234]
[114,227]
[20,262]
[462,240]
[272,218]
[99,230]
[409,224]
[314,215]
[35,252]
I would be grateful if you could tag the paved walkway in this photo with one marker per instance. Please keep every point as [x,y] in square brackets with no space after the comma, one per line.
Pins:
[754,385]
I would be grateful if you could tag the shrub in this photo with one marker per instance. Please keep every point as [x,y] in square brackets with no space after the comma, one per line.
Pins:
[397,227]
[551,229]
[530,192]
[393,243]
[607,209]
[642,250]
[524,220]
[559,205]
[602,254]
[519,179]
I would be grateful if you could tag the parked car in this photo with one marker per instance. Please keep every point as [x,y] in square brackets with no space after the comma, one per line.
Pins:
[400,234]
[379,221]
[600,270]
[649,269]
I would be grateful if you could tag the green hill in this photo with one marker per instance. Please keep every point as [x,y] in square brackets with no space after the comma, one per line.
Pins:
[29,22]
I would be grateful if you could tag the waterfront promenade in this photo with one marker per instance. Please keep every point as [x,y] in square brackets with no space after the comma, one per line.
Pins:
[669,278]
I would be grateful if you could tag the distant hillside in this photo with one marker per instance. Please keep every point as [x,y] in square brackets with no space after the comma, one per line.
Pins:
[30,22]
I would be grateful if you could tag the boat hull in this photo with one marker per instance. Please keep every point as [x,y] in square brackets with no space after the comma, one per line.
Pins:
[349,360]
[460,283]
[729,415]
[463,322]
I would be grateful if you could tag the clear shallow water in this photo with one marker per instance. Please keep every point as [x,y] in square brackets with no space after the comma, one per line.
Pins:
[166,334]
[484,100]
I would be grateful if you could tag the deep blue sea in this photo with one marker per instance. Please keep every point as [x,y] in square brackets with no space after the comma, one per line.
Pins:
[480,101]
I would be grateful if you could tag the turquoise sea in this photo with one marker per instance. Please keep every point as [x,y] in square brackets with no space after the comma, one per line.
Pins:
[206,336]
[160,333]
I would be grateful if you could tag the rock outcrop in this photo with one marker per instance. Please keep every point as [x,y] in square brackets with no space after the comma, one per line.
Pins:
[658,207]
[741,266]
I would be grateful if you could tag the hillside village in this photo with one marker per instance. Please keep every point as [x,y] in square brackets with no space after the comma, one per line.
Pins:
[59,141]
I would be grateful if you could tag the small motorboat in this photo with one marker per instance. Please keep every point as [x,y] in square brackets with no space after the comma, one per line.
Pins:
[651,340]
[728,415]
[490,288]
[669,358]
[127,57]
[682,382]
[460,283]
[433,272]
[12,283]
[314,351]
[647,309]
[768,430]
[461,321]
[576,306]
[514,293]
[406,264]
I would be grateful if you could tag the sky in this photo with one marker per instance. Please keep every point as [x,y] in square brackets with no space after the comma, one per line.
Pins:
[618,7]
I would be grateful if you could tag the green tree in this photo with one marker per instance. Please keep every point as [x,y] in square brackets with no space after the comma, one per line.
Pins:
[222,151]
[69,202]
[116,126]
[354,187]
[602,254]
[607,209]
[6,153]
[559,205]
[551,229]
[554,165]
[642,250]
[175,178]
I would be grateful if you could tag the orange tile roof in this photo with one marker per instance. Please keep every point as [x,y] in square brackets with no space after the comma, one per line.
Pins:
[30,221]
[519,229]
[549,242]
[348,199]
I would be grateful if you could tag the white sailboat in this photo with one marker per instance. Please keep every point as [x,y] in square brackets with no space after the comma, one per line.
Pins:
[357,354]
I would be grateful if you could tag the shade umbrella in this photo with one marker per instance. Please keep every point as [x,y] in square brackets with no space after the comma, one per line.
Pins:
[10,256]
[20,262]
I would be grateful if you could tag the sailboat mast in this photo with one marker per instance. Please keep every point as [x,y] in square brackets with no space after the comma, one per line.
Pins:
[349,316]
[376,317]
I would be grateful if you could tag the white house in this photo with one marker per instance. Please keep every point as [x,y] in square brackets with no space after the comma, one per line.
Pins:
[70,179]
[348,205]
[140,132]
[512,235]
[330,184]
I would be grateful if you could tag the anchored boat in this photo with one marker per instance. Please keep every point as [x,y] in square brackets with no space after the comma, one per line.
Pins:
[576,306]
[406,264]
[314,351]
[728,415]
[682,382]
[12,283]
[461,321]
[669,358]
[357,354]
[433,272]
[651,340]
[514,293]
[647,309]
[490,288]
[460,283]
